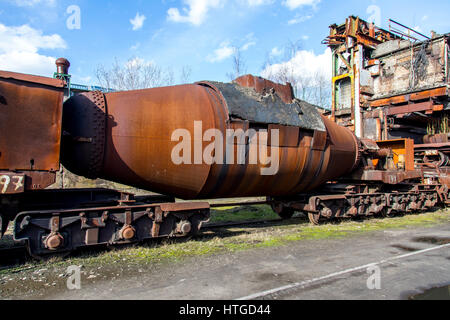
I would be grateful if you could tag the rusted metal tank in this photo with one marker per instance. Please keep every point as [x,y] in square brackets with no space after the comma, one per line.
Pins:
[30,137]
[30,131]
[127,137]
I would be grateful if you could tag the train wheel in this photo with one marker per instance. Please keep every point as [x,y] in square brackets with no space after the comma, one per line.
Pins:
[314,218]
[285,213]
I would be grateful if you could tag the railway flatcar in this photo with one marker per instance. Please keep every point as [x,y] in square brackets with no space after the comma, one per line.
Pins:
[380,150]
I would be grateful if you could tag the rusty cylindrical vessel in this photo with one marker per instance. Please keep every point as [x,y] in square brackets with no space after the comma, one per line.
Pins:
[127,137]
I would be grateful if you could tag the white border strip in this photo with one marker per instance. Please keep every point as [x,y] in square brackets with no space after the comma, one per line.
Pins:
[332,275]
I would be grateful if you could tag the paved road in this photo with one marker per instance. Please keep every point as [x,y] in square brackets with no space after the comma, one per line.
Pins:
[410,262]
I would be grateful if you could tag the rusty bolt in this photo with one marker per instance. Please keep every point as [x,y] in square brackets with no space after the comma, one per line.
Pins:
[54,241]
[127,232]
[353,211]
[326,212]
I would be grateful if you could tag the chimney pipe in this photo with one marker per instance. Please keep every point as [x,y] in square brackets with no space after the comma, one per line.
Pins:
[62,66]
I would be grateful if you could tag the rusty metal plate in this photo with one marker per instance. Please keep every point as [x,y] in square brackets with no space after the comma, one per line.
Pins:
[289,136]
[246,103]
[30,122]
[184,206]
[264,86]
[319,141]
[11,183]
[57,83]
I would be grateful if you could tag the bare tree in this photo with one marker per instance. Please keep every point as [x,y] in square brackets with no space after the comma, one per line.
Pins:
[322,90]
[315,88]
[239,65]
[286,73]
[291,49]
[133,75]
[185,76]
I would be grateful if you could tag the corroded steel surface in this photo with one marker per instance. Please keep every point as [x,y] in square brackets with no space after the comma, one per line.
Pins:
[91,111]
[138,134]
[138,144]
[268,108]
[30,127]
[264,86]
[21,78]
[436,138]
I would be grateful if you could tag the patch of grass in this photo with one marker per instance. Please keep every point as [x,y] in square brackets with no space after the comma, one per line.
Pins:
[7,240]
[285,234]
[244,213]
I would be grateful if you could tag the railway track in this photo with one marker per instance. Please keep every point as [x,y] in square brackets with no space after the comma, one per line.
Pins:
[249,223]
[238,204]
[18,254]
[221,225]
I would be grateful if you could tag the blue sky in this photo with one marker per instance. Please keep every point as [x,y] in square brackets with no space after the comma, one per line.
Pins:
[177,33]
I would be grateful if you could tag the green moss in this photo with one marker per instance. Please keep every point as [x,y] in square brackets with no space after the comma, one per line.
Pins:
[230,214]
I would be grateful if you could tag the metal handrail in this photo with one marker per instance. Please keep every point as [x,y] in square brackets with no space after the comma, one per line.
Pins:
[398,31]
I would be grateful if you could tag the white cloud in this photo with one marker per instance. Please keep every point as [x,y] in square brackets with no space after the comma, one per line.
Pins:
[304,64]
[255,3]
[295,4]
[28,62]
[19,50]
[418,29]
[25,38]
[247,45]
[135,47]
[196,13]
[250,41]
[223,52]
[138,62]
[134,62]
[138,21]
[82,80]
[226,50]
[299,19]
[276,52]
[30,3]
